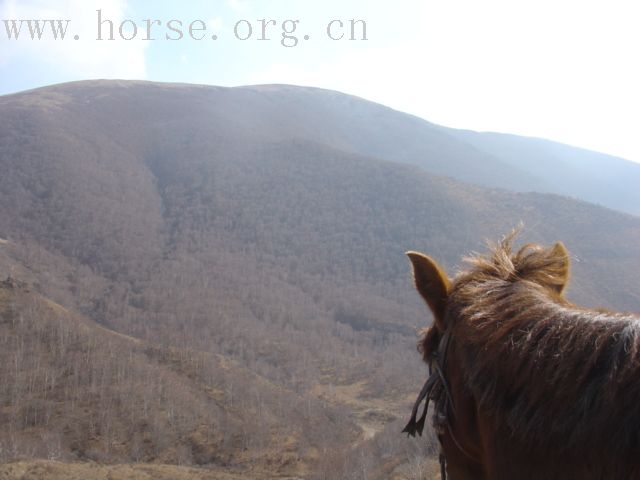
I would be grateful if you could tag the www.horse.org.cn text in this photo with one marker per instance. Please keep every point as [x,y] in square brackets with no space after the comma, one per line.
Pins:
[288,33]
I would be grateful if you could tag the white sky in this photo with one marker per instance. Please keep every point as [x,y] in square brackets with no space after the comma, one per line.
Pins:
[564,70]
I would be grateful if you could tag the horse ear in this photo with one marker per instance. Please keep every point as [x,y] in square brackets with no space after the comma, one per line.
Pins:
[558,268]
[432,283]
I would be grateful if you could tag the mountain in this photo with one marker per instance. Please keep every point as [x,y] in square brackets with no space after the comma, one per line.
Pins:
[204,246]
[565,170]
[274,113]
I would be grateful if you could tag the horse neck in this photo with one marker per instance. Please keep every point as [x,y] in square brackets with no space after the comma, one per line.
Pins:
[461,440]
[529,358]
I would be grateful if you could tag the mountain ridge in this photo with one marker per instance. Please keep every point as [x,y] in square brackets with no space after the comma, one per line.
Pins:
[361,126]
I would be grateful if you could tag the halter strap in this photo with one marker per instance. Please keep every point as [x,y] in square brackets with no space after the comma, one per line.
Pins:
[436,378]
[443,465]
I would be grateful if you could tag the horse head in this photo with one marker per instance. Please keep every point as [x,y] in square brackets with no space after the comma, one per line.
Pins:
[465,432]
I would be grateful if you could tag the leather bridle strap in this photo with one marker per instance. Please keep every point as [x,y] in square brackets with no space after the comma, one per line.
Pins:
[414,426]
[437,366]
[443,465]
[436,375]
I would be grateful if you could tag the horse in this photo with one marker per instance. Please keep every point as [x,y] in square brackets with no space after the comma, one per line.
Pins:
[525,384]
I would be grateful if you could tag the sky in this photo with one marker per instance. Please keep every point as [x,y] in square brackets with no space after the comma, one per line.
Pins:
[563,70]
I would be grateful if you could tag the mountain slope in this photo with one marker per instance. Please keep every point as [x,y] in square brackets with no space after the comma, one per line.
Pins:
[566,170]
[73,390]
[280,112]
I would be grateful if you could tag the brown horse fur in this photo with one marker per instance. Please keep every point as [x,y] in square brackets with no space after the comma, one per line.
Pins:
[555,387]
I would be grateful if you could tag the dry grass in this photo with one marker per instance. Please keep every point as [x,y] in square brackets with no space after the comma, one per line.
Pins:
[429,469]
[40,469]
[4,301]
[372,415]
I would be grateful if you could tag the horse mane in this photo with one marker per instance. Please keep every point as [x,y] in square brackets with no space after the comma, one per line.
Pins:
[549,373]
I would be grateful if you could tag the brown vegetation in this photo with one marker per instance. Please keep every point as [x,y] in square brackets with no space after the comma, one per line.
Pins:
[51,470]
[74,390]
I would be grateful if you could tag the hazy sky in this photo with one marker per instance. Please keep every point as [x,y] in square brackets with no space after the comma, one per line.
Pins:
[564,70]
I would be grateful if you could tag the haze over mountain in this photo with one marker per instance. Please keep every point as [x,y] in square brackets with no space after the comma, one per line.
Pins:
[592,176]
[256,233]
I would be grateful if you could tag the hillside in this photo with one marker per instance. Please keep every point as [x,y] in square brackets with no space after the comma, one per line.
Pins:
[273,113]
[234,242]
[75,390]
[566,170]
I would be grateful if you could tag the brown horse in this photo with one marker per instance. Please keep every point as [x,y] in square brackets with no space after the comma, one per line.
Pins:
[525,384]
